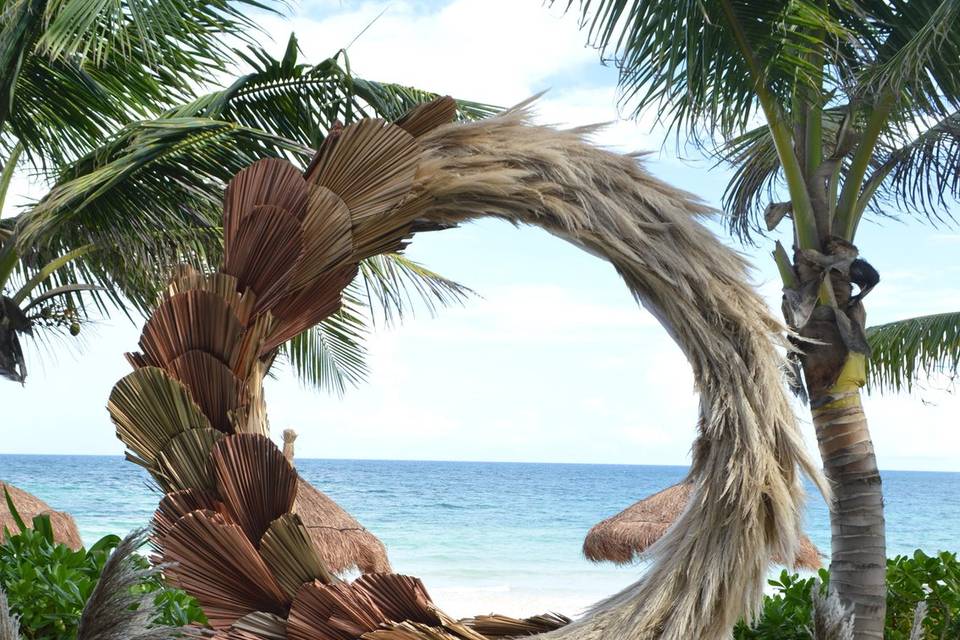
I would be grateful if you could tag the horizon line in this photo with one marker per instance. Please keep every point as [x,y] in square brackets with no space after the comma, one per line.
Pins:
[445,460]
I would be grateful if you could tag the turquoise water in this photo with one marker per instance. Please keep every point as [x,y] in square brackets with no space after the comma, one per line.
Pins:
[483,536]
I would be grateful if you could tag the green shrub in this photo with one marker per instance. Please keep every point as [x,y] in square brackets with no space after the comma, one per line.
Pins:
[933,579]
[48,584]
[786,614]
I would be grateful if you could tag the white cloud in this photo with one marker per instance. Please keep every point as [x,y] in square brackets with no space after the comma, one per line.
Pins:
[498,51]
[579,106]
[534,314]
[917,430]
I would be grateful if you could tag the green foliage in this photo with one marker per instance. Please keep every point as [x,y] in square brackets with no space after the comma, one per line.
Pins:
[905,351]
[144,185]
[933,579]
[862,96]
[48,584]
[786,614]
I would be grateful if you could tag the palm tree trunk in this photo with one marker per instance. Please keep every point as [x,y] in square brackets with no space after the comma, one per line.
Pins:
[858,561]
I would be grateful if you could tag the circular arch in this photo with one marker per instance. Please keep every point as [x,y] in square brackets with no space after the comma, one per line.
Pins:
[193,412]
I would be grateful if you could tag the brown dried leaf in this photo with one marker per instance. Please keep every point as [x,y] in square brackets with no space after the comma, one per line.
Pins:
[265,247]
[303,309]
[185,462]
[426,117]
[271,181]
[191,320]
[149,408]
[259,626]
[332,612]
[288,551]
[254,480]
[222,284]
[399,597]
[212,385]
[213,561]
[497,626]
[177,504]
[371,166]
[327,237]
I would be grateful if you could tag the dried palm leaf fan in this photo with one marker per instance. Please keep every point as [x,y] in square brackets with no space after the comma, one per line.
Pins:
[193,413]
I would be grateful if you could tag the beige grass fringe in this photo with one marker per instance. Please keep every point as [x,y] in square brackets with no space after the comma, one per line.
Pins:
[709,569]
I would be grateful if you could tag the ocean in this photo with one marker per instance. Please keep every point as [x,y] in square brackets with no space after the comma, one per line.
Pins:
[484,537]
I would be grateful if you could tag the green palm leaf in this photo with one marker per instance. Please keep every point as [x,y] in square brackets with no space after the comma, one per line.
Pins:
[907,350]
[76,70]
[921,173]
[150,196]
[142,178]
[914,59]
[331,355]
[147,200]
[684,58]
[392,286]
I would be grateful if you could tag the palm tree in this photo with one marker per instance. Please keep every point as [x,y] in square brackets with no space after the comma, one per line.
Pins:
[101,100]
[860,104]
[19,315]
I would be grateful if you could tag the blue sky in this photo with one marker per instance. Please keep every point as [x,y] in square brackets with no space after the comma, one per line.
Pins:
[553,361]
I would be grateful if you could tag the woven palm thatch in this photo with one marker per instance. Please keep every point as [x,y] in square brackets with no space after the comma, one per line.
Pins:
[28,506]
[624,538]
[343,543]
[294,240]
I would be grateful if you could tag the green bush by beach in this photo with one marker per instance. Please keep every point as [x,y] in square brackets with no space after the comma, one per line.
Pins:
[48,584]
[934,579]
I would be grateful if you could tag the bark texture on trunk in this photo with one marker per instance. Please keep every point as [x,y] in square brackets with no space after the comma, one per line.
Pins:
[833,356]
[858,561]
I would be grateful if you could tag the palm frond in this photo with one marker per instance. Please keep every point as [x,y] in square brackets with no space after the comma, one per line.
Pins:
[914,60]
[687,59]
[179,164]
[393,286]
[923,172]
[148,200]
[77,70]
[175,33]
[391,100]
[149,197]
[907,350]
[757,173]
[301,101]
[331,355]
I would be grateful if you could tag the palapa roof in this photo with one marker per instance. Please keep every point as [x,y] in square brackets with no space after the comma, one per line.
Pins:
[622,538]
[28,506]
[342,542]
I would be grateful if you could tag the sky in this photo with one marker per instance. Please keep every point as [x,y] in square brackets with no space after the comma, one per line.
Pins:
[551,360]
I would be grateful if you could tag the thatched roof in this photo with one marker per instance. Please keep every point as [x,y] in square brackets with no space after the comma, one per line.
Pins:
[28,506]
[343,543]
[622,538]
